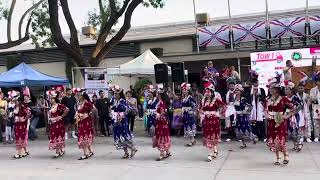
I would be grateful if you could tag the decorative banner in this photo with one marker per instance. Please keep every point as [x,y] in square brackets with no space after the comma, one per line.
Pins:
[289,27]
[249,31]
[96,78]
[213,36]
[314,24]
[269,62]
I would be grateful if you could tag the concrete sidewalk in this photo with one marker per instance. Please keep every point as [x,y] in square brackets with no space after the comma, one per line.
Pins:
[255,162]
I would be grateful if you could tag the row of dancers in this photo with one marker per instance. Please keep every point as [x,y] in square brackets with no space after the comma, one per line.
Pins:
[283,113]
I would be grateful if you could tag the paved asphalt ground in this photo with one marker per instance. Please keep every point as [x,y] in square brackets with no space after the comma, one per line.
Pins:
[253,163]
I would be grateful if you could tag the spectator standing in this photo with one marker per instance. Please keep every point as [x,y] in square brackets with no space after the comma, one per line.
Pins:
[287,71]
[234,74]
[213,73]
[70,102]
[103,106]
[3,110]
[94,114]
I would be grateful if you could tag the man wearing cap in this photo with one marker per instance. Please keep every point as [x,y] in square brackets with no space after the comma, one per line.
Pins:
[103,106]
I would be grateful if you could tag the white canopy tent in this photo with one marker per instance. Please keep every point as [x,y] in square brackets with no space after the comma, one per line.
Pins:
[140,66]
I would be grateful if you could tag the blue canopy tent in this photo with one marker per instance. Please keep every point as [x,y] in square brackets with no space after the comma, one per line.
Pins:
[24,75]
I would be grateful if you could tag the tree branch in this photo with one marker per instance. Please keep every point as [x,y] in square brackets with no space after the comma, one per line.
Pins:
[25,14]
[58,39]
[112,5]
[105,30]
[11,44]
[13,4]
[21,40]
[74,41]
[101,8]
[124,7]
[95,61]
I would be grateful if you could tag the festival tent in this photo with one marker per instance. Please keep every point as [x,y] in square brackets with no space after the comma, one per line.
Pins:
[24,75]
[142,65]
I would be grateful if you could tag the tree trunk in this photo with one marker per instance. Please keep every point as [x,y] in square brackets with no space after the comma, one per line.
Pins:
[58,39]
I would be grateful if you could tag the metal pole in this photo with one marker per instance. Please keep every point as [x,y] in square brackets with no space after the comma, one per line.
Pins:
[72,76]
[307,8]
[267,11]
[239,64]
[196,25]
[230,25]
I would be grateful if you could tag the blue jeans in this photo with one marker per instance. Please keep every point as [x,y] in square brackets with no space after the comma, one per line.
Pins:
[33,128]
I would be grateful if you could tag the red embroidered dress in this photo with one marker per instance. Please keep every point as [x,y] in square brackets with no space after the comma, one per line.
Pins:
[56,128]
[211,122]
[22,114]
[85,127]
[161,139]
[277,126]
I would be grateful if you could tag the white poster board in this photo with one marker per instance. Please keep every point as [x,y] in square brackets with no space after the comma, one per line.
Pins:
[269,62]
[95,80]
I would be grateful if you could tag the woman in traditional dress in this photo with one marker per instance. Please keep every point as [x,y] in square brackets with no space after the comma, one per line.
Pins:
[297,120]
[243,107]
[85,126]
[123,138]
[277,116]
[56,124]
[210,109]
[161,139]
[188,107]
[151,109]
[22,116]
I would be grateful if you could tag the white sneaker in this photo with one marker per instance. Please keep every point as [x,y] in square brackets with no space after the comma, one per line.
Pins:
[74,136]
[316,140]
[228,140]
[309,140]
[265,140]
[66,136]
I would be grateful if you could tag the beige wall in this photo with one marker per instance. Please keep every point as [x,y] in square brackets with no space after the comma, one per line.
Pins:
[3,69]
[54,69]
[170,47]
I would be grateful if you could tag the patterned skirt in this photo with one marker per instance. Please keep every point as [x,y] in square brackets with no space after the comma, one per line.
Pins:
[85,133]
[122,135]
[21,134]
[243,127]
[211,131]
[151,119]
[277,136]
[190,128]
[177,121]
[57,135]
[161,139]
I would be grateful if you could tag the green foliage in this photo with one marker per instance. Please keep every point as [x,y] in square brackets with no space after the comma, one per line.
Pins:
[140,84]
[12,61]
[97,18]
[41,34]
[154,3]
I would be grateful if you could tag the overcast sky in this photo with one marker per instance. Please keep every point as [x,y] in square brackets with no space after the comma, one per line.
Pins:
[174,10]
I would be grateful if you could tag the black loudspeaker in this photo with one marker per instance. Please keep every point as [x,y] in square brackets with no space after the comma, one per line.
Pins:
[177,71]
[161,73]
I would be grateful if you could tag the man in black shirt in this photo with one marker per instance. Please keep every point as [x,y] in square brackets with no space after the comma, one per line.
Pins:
[103,106]
[70,102]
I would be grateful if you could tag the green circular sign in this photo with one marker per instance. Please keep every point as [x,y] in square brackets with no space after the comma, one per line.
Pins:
[296,56]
